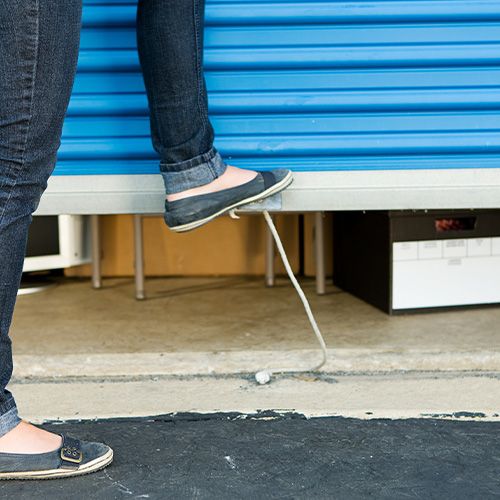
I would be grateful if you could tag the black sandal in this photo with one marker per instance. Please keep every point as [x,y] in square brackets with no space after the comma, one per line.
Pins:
[73,458]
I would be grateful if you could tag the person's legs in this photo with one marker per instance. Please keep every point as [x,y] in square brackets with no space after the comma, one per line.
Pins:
[199,184]
[39,42]
[170,42]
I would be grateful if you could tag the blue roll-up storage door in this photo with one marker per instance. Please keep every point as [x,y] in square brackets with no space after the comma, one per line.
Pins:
[315,85]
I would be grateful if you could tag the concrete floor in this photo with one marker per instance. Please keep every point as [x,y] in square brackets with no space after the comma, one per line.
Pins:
[231,314]
[195,344]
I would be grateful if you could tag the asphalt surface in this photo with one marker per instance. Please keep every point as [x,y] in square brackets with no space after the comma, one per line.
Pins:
[230,456]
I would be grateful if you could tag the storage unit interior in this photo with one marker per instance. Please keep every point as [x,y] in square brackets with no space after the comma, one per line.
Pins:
[374,107]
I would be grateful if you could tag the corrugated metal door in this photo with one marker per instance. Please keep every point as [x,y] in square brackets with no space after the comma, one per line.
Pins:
[318,85]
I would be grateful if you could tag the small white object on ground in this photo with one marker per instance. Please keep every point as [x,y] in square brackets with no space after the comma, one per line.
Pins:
[263,377]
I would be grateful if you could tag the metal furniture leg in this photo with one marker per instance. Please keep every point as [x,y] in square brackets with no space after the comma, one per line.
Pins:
[270,254]
[319,251]
[139,258]
[96,251]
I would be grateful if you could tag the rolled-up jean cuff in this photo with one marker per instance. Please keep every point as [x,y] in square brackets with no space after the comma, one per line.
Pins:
[197,171]
[9,420]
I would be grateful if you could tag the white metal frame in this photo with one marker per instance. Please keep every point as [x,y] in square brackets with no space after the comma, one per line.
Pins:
[72,249]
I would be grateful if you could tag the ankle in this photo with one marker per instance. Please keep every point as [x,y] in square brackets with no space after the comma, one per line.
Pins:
[27,438]
[232,177]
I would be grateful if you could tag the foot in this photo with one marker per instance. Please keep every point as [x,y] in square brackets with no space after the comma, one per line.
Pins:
[233,176]
[72,458]
[26,438]
[194,211]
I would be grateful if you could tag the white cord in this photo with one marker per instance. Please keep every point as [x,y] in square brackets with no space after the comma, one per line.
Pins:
[265,376]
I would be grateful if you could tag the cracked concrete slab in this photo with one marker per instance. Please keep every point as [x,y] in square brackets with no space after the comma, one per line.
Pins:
[395,396]
[234,362]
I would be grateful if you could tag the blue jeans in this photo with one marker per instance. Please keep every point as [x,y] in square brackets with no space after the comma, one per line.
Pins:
[39,41]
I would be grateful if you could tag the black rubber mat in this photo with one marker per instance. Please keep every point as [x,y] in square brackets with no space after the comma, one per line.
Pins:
[286,457]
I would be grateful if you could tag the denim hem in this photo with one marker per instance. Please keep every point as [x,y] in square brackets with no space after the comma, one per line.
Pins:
[9,420]
[197,171]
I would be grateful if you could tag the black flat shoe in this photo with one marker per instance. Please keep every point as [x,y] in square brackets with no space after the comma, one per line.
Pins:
[189,213]
[73,458]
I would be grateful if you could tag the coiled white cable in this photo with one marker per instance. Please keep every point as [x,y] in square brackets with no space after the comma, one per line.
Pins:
[264,376]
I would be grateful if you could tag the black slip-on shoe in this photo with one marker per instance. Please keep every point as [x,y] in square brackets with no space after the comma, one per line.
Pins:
[73,458]
[189,213]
